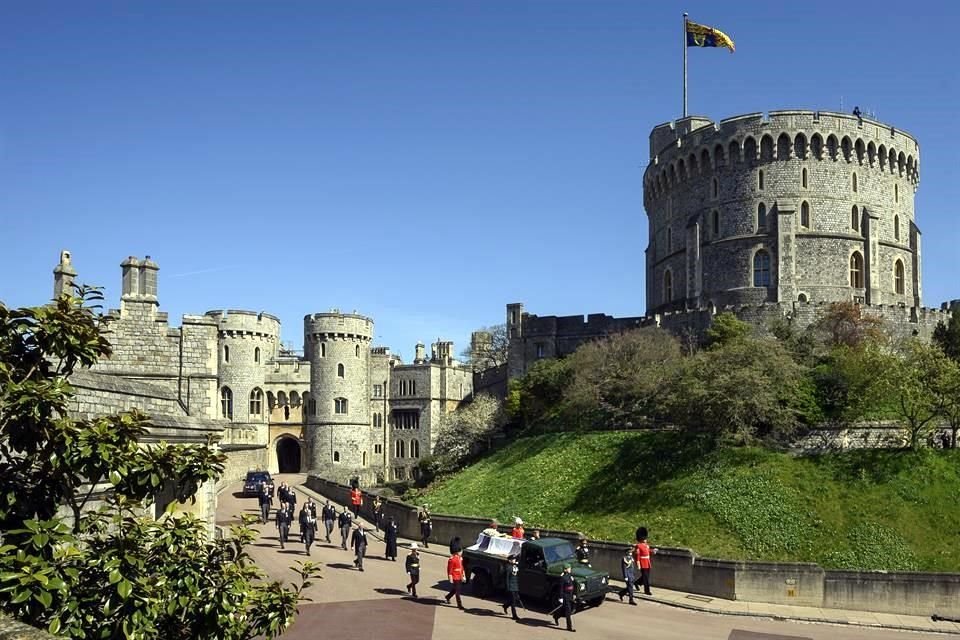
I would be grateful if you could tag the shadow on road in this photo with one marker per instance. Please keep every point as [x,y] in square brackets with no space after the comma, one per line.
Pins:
[390,592]
[340,565]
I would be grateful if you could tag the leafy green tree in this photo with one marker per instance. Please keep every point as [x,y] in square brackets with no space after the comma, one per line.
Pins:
[947,336]
[725,329]
[922,382]
[538,396]
[109,571]
[854,383]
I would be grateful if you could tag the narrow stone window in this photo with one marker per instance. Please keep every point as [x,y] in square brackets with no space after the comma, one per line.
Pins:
[853,182]
[358,351]
[715,188]
[323,349]
[855,218]
[856,270]
[896,227]
[312,406]
[377,448]
[761,217]
[667,286]
[414,448]
[398,449]
[761,269]
[226,403]
[256,402]
[336,456]
[805,215]
[340,405]
[341,371]
[760,179]
[413,387]
[716,224]
[539,350]
[363,459]
[226,353]
[896,193]
[256,355]
[898,277]
[803,178]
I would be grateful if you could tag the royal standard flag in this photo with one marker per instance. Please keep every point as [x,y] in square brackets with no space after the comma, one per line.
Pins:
[700,35]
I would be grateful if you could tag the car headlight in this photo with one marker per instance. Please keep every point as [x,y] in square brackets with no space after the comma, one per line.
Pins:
[582,586]
[603,580]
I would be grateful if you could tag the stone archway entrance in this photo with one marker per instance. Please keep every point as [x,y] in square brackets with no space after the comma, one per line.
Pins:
[288,455]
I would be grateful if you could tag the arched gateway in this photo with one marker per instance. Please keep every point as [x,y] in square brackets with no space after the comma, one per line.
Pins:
[288,455]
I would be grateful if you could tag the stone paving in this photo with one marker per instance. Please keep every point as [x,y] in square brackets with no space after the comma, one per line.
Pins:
[349,605]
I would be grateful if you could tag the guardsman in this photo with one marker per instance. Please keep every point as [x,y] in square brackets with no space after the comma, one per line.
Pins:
[641,554]
[329,514]
[517,531]
[356,499]
[426,527]
[513,588]
[378,513]
[568,591]
[345,522]
[583,553]
[456,576]
[308,526]
[265,502]
[284,518]
[390,540]
[413,569]
[359,544]
[627,568]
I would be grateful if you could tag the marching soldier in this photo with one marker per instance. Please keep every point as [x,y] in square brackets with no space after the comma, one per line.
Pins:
[413,569]
[456,576]
[359,544]
[356,499]
[568,590]
[345,522]
[426,527]
[627,566]
[513,588]
[641,554]
[284,518]
[583,553]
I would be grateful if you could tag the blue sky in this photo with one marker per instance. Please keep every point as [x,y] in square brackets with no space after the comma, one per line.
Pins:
[424,163]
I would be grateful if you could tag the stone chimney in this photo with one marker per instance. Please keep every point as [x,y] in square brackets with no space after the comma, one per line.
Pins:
[421,355]
[63,275]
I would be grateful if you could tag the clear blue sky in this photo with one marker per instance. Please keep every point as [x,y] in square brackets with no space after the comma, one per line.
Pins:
[424,163]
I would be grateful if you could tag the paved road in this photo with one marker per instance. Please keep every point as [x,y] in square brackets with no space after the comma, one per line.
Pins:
[350,605]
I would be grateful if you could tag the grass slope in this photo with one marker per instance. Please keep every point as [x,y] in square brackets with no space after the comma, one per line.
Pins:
[892,510]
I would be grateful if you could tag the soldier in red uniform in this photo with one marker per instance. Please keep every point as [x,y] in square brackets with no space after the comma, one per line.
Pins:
[641,555]
[517,529]
[356,499]
[456,576]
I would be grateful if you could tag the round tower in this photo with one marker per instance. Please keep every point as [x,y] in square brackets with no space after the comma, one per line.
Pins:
[338,430]
[795,206]
[247,341]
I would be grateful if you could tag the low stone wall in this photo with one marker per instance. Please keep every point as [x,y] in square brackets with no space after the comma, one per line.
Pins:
[796,583]
[10,629]
[240,460]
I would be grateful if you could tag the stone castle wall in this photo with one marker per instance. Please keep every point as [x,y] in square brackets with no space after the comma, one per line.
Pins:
[830,185]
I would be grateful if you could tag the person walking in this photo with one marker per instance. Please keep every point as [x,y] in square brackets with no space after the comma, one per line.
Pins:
[517,531]
[329,517]
[627,568]
[308,527]
[390,540]
[311,510]
[413,569]
[359,544]
[292,500]
[265,502]
[641,554]
[455,544]
[568,590]
[345,522]
[356,500]
[284,519]
[583,553]
[513,588]
[426,527]
[377,513]
[282,491]
[456,576]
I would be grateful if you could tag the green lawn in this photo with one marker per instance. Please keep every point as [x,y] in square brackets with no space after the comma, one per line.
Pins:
[893,510]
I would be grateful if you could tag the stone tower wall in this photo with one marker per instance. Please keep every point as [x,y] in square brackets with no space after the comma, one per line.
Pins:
[340,445]
[702,191]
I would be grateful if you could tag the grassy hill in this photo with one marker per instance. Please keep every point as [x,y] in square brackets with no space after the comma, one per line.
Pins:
[893,510]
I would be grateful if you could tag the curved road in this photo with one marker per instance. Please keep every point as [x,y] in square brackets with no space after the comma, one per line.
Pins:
[350,605]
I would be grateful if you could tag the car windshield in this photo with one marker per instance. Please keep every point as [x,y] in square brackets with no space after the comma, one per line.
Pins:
[258,477]
[559,553]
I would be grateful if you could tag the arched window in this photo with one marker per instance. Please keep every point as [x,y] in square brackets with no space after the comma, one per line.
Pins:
[856,270]
[761,217]
[802,297]
[760,179]
[256,355]
[805,215]
[896,193]
[803,177]
[716,223]
[341,371]
[855,218]
[413,387]
[716,187]
[898,286]
[336,456]
[256,402]
[226,353]
[669,239]
[363,459]
[853,182]
[226,403]
[414,448]
[358,350]
[761,269]
[323,349]
[340,405]
[398,449]
[271,400]
[896,227]
[667,286]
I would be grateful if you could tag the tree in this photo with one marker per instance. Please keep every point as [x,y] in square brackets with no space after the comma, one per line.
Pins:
[110,572]
[844,324]
[466,430]
[947,336]
[950,393]
[488,349]
[727,328]
[539,395]
[922,384]
[854,383]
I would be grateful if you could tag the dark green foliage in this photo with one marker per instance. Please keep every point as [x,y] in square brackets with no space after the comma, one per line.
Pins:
[726,329]
[110,572]
[947,336]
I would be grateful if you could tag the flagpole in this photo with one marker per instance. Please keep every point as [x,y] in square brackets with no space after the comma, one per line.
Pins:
[684,65]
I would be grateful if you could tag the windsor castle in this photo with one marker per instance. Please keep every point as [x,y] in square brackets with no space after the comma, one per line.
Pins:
[767,216]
